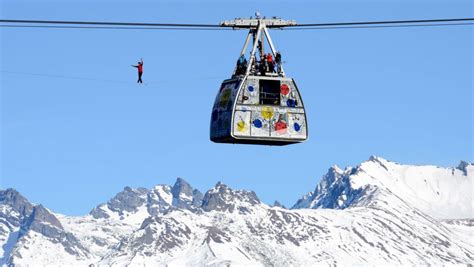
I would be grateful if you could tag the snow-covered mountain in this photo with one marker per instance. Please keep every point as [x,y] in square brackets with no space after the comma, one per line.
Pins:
[443,193]
[378,212]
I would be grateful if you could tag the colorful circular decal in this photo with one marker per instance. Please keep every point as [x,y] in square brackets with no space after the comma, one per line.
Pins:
[267,113]
[297,127]
[250,88]
[284,89]
[257,123]
[291,103]
[241,126]
[280,127]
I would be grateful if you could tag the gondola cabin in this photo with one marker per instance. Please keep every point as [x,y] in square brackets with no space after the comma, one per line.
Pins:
[259,104]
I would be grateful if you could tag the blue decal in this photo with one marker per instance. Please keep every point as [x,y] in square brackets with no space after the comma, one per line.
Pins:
[257,123]
[297,127]
[250,88]
[291,103]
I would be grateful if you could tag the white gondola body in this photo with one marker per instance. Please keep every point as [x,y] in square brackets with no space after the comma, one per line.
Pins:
[243,112]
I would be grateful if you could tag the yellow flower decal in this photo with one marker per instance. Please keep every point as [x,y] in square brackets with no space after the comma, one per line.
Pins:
[241,126]
[267,113]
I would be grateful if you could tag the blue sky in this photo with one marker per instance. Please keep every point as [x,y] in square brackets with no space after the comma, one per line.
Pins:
[405,94]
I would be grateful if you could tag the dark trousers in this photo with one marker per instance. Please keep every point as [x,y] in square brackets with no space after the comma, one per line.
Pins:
[140,77]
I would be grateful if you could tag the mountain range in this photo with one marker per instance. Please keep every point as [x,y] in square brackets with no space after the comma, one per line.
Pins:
[378,212]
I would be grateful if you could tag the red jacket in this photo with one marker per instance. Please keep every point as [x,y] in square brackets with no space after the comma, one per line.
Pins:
[140,68]
[269,58]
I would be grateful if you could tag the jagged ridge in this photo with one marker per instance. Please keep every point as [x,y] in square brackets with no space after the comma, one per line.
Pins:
[358,215]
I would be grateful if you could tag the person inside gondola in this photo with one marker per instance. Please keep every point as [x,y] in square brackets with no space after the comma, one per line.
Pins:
[254,67]
[263,65]
[241,65]
[271,64]
[278,61]
[140,70]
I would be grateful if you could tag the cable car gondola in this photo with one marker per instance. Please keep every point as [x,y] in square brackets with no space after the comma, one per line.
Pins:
[258,105]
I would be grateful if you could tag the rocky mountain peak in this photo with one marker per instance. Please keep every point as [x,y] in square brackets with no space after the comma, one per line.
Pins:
[181,186]
[8,195]
[276,203]
[335,169]
[339,189]
[197,197]
[304,201]
[333,191]
[184,196]
[42,221]
[223,198]
[155,201]
[15,200]
[159,199]
[332,175]
[379,161]
[464,166]
[128,200]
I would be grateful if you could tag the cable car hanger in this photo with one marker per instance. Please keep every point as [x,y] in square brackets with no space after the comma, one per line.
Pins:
[257,26]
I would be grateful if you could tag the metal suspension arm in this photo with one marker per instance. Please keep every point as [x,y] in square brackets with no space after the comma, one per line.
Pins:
[242,52]
[272,47]
[254,48]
